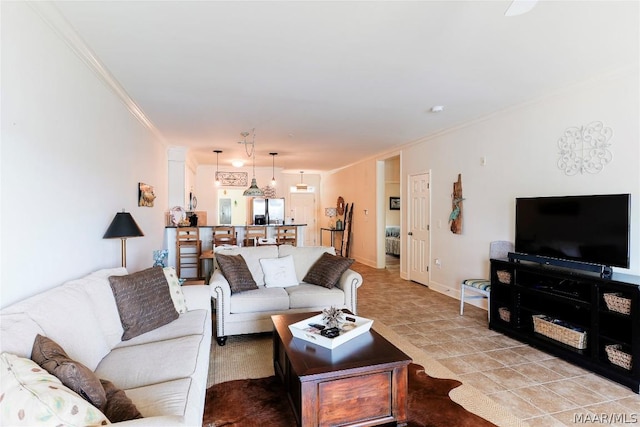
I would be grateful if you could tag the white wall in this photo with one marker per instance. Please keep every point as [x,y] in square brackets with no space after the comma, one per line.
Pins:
[521,150]
[72,156]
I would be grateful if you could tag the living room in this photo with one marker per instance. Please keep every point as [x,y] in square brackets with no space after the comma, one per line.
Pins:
[74,152]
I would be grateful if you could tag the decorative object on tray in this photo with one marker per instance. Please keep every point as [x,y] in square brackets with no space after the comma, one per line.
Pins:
[615,302]
[312,329]
[560,330]
[332,317]
[617,356]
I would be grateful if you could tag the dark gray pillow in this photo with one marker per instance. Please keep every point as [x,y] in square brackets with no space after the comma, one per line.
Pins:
[52,358]
[144,301]
[118,407]
[234,269]
[327,270]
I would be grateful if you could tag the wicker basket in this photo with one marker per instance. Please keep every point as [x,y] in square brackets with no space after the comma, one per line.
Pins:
[505,314]
[546,326]
[615,302]
[617,356]
[504,276]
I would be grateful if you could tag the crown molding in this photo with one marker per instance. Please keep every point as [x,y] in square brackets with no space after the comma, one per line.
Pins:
[52,16]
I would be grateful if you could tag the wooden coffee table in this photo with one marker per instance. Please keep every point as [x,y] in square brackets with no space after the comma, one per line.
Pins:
[362,382]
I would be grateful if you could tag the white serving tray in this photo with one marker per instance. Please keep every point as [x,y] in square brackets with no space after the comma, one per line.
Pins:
[303,331]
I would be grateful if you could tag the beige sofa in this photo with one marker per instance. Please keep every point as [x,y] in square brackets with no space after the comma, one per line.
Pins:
[163,371]
[250,311]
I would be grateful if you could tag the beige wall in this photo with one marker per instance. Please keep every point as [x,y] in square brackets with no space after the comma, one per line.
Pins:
[520,147]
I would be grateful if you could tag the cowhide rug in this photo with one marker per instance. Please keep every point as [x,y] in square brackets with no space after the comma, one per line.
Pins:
[262,402]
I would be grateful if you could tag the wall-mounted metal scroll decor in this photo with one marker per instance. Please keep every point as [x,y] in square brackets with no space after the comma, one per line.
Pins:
[233,179]
[585,149]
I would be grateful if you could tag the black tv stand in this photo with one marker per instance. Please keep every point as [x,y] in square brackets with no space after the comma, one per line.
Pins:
[521,292]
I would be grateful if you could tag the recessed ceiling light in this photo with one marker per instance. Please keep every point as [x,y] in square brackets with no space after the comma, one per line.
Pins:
[437,109]
[237,163]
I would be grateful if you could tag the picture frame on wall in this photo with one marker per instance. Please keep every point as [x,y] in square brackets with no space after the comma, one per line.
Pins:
[394,203]
[146,195]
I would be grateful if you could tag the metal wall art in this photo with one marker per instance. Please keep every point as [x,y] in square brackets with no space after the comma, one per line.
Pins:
[233,179]
[585,149]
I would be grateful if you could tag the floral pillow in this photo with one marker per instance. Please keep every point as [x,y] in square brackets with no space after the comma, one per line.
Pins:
[175,287]
[32,396]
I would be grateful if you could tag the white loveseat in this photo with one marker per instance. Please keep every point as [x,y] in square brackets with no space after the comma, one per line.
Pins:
[250,311]
[163,371]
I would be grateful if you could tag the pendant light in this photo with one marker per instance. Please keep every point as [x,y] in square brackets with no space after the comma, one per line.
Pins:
[301,186]
[253,190]
[217,175]
[273,168]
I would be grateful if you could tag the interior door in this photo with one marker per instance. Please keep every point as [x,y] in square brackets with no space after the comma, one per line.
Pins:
[418,241]
[303,211]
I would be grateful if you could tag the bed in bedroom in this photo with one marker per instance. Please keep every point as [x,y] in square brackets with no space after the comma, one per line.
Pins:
[392,240]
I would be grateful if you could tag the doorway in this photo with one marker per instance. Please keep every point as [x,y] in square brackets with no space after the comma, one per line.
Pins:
[303,211]
[392,218]
[418,219]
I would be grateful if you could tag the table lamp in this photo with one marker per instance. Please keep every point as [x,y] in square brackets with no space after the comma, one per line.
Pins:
[330,212]
[123,226]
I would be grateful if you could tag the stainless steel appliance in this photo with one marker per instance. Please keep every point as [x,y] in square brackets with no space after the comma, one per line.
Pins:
[267,211]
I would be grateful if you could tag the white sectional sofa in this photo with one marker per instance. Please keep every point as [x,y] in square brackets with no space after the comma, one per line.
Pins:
[163,371]
[250,311]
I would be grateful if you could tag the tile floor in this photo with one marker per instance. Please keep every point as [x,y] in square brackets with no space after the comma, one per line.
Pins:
[538,388]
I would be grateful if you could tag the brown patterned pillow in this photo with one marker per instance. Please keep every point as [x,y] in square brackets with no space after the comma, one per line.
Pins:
[51,357]
[118,407]
[234,269]
[327,270]
[144,301]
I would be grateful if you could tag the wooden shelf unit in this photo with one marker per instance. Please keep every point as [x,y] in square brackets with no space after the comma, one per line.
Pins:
[576,298]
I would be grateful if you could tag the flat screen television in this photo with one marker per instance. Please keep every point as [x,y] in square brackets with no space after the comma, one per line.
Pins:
[584,229]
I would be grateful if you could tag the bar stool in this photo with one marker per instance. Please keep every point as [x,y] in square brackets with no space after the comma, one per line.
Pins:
[188,251]
[253,233]
[224,235]
[287,235]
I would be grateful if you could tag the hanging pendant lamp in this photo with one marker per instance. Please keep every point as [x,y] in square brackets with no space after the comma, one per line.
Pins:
[301,186]
[253,190]
[273,168]
[217,176]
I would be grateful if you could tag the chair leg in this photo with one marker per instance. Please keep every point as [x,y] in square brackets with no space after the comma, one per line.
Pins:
[461,300]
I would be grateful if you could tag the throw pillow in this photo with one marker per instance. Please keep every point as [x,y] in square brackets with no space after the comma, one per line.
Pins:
[175,288]
[279,272]
[118,407]
[50,356]
[144,301]
[327,270]
[32,396]
[235,270]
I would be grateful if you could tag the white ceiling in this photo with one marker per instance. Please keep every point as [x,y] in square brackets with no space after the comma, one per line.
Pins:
[326,83]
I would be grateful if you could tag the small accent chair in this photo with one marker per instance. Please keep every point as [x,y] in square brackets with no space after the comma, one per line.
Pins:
[188,251]
[497,249]
[287,235]
[253,233]
[224,235]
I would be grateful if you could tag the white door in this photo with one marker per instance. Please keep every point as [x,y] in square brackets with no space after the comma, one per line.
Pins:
[303,211]
[418,234]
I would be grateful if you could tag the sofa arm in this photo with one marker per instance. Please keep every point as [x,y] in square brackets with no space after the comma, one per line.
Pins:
[197,297]
[349,282]
[221,293]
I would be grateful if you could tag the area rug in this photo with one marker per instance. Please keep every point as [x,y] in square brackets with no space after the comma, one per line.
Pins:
[250,357]
[262,401]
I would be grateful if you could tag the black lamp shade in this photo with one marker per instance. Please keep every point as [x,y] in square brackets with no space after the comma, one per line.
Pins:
[123,225]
